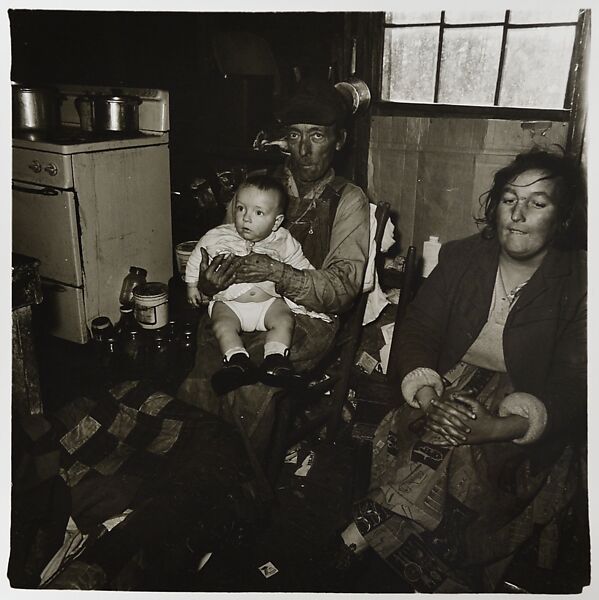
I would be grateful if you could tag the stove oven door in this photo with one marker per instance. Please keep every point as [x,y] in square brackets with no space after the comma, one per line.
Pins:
[44,225]
[44,222]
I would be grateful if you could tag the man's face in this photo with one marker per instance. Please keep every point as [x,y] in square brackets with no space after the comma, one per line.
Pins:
[312,148]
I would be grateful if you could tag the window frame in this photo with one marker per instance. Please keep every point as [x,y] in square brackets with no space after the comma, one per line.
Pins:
[394,108]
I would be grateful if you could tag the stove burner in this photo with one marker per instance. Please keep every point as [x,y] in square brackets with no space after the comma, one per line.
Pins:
[73,135]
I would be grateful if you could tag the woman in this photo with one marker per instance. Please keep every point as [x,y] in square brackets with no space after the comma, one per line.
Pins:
[493,372]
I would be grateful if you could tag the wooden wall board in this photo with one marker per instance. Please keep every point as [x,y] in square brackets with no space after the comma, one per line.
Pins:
[433,170]
[443,197]
[509,137]
[453,135]
[399,191]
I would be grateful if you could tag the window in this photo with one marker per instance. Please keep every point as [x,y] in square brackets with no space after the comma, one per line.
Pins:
[483,58]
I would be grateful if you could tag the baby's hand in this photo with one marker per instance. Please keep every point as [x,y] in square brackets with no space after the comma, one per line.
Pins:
[193,295]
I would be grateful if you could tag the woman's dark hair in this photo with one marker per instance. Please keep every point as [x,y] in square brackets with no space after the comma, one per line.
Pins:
[266,183]
[571,194]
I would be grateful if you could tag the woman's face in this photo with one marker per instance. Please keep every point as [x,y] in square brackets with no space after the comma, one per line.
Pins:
[527,215]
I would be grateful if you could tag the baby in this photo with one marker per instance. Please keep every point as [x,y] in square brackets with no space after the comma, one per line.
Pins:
[258,211]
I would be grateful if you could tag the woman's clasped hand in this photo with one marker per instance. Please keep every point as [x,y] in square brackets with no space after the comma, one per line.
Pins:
[461,420]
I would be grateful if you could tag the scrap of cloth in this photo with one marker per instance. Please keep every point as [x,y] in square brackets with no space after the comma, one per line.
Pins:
[171,467]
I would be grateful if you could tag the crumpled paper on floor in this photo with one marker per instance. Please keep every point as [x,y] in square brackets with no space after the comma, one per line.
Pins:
[306,465]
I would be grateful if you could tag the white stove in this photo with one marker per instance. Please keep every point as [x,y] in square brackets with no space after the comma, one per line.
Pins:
[91,205]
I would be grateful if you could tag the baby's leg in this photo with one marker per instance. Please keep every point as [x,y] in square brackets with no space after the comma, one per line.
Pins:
[238,369]
[226,326]
[280,323]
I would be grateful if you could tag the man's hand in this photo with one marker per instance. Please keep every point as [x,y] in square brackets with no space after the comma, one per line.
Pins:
[219,275]
[258,267]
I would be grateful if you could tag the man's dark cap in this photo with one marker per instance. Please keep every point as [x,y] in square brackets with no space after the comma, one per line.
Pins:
[317,102]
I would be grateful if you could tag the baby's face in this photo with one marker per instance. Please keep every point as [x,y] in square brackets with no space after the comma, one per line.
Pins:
[256,213]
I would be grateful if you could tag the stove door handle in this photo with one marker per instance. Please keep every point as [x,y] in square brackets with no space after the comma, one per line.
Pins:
[46,191]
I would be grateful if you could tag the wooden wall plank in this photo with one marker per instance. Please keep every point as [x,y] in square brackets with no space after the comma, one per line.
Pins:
[443,197]
[433,170]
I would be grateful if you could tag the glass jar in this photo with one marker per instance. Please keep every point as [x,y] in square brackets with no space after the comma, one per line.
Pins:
[135,277]
[126,321]
[101,329]
[133,353]
[187,350]
[159,361]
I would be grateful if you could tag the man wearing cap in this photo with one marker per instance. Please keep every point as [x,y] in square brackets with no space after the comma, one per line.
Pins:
[329,216]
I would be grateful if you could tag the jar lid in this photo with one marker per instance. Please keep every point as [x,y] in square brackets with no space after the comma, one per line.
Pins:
[138,271]
[101,322]
[154,289]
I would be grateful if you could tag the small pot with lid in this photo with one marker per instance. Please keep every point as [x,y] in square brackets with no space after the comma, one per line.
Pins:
[116,113]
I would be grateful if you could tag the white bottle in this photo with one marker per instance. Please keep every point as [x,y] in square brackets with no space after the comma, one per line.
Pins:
[430,255]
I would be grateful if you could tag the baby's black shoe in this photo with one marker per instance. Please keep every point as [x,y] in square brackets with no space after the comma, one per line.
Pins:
[239,370]
[277,370]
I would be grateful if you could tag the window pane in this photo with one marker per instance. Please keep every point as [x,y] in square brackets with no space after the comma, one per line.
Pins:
[402,17]
[547,15]
[536,67]
[474,16]
[469,65]
[409,64]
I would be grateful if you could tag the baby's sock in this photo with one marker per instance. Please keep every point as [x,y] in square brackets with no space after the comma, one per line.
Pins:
[275,348]
[236,350]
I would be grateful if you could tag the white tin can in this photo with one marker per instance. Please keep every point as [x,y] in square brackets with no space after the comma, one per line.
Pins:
[151,305]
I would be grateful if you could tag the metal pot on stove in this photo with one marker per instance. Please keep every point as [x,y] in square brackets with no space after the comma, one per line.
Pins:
[34,108]
[116,113]
[119,114]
